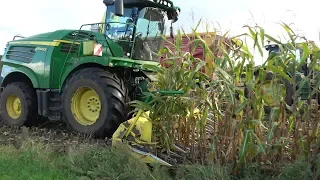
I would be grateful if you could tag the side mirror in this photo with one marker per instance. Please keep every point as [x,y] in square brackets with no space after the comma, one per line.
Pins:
[108,2]
[118,6]
[175,17]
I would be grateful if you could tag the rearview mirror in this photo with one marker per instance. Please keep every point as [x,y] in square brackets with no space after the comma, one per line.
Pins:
[108,2]
[118,6]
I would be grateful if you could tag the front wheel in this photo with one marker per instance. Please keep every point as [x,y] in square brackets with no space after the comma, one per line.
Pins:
[94,102]
[18,105]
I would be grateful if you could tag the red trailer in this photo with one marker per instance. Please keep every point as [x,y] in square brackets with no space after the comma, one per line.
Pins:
[213,40]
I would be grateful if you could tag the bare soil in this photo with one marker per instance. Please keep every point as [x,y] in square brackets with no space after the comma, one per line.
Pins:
[53,134]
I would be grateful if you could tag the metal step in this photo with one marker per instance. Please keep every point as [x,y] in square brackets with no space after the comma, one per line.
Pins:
[54,108]
[54,118]
[55,99]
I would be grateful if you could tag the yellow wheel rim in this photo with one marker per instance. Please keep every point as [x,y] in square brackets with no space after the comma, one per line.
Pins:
[272,92]
[13,106]
[86,106]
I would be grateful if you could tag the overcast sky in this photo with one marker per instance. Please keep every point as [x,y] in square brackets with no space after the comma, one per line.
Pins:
[36,16]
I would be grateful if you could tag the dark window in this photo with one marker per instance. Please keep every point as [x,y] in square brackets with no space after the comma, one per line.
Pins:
[24,54]
[78,36]
[75,38]
[69,47]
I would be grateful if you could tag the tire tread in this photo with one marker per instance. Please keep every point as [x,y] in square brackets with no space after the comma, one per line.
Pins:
[115,93]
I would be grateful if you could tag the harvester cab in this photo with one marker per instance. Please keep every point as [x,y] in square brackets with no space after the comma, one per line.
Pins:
[274,49]
[139,26]
[303,86]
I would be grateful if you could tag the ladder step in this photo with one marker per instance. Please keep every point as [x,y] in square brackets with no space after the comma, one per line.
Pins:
[56,99]
[54,118]
[54,108]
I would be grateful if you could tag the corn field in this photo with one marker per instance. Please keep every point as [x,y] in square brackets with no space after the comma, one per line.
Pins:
[234,123]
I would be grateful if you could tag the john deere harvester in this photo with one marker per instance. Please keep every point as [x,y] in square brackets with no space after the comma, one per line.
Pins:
[307,77]
[85,78]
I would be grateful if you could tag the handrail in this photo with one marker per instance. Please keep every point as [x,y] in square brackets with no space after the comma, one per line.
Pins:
[14,37]
[89,34]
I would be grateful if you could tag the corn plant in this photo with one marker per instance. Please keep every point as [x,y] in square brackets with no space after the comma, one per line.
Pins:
[236,122]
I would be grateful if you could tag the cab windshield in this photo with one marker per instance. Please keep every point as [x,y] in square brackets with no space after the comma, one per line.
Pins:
[118,26]
[152,23]
[140,41]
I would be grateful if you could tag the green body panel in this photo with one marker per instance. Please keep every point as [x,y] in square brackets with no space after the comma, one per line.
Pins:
[104,61]
[8,69]
[50,67]
[116,50]
[127,62]
[36,70]
[47,74]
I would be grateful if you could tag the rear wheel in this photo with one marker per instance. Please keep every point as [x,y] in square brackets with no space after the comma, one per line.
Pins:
[275,88]
[268,89]
[18,105]
[94,102]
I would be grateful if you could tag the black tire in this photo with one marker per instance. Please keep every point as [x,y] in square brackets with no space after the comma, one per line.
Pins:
[29,107]
[113,96]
